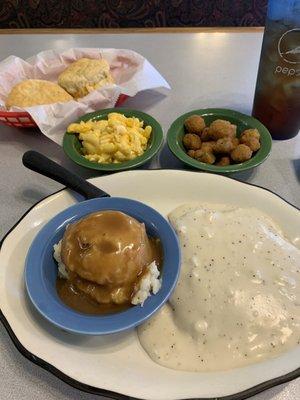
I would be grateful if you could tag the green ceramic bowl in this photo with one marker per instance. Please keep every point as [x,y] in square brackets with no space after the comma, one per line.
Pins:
[72,145]
[176,132]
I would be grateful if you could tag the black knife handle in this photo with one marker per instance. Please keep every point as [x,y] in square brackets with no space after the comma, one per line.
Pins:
[43,165]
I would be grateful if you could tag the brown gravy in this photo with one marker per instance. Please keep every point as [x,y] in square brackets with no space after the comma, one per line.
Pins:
[82,303]
[106,254]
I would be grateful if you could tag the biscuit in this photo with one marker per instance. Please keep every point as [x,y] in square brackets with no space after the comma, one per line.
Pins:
[33,92]
[85,75]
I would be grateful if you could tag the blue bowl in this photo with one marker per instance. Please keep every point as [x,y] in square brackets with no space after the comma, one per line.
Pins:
[41,269]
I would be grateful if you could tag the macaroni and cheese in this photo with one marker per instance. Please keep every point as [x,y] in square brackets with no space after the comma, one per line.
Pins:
[114,140]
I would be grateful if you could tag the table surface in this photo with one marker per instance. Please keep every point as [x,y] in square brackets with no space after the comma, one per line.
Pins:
[204,69]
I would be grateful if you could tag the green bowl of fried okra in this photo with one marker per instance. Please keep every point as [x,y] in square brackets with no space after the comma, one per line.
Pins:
[219,140]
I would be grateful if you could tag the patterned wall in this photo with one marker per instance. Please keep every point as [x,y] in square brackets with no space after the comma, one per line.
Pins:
[130,13]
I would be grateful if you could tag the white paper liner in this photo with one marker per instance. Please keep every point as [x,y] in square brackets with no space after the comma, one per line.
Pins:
[131,71]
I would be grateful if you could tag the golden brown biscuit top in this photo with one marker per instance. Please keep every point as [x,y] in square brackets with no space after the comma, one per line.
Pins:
[85,75]
[32,92]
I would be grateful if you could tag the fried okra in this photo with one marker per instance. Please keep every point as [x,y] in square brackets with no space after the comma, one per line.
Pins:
[224,145]
[221,128]
[191,141]
[205,156]
[194,124]
[191,153]
[252,142]
[205,135]
[217,143]
[250,137]
[241,153]
[250,133]
[208,146]
[223,161]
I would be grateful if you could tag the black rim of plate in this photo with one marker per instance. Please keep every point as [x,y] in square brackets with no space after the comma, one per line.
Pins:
[119,396]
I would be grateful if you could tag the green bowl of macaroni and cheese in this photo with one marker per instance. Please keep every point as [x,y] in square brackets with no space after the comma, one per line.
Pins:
[113,139]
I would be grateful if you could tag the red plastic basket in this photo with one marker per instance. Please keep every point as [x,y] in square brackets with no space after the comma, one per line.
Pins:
[24,120]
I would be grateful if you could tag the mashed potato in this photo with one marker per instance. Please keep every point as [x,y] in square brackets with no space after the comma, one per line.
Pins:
[149,283]
[62,270]
[114,140]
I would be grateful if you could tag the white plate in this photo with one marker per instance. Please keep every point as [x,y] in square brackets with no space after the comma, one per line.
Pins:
[118,363]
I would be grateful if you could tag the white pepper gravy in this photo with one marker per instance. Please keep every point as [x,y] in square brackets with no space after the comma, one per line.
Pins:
[238,298]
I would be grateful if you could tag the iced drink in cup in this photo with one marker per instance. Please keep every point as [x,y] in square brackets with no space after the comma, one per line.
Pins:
[277,96]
